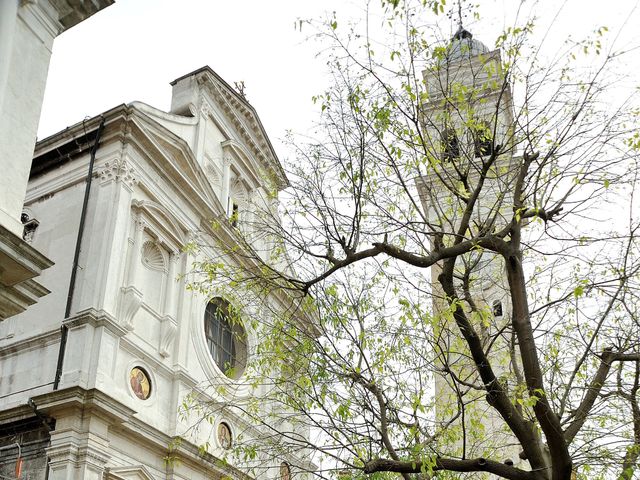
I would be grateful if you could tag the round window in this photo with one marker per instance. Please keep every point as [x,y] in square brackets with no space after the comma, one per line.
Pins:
[224,435]
[226,338]
[140,383]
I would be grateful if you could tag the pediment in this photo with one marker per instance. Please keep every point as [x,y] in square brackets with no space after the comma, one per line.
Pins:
[134,472]
[185,170]
[163,218]
[245,121]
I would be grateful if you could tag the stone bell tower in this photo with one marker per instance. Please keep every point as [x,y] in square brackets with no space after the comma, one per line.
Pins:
[469,124]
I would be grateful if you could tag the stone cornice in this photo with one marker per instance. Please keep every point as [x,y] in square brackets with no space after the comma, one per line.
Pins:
[44,15]
[20,263]
[29,262]
[95,318]
[244,119]
[94,400]
[35,342]
[257,143]
[80,129]
[15,414]
[72,12]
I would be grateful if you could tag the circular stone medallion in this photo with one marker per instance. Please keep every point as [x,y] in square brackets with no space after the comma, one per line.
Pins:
[140,383]
[285,471]
[224,435]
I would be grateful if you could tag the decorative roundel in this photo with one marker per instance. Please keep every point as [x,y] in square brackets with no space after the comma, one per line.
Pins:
[225,440]
[140,383]
[285,471]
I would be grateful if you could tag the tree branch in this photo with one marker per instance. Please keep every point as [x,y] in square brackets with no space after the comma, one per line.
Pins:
[468,465]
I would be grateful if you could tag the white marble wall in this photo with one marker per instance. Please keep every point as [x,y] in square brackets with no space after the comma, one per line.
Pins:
[151,190]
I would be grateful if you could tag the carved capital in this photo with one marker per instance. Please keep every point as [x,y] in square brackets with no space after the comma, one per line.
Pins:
[205,109]
[194,237]
[118,170]
[174,256]
[140,224]
[60,455]
[94,458]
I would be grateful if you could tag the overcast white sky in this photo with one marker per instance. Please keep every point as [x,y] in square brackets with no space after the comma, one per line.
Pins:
[134,48]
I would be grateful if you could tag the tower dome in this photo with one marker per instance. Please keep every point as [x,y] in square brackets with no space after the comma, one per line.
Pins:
[463,46]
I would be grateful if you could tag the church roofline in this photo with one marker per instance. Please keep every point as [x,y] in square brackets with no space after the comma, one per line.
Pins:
[66,144]
[74,141]
[87,126]
[208,70]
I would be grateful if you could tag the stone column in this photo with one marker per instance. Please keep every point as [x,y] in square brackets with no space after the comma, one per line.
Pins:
[251,214]
[104,248]
[189,308]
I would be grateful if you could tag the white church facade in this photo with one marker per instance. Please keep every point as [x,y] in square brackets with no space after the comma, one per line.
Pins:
[93,377]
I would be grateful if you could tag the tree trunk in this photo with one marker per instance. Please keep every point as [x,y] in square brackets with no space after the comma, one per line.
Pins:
[561,464]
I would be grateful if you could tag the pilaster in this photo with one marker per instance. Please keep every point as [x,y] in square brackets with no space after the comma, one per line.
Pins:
[169,325]
[130,296]
[226,183]
[106,236]
[202,126]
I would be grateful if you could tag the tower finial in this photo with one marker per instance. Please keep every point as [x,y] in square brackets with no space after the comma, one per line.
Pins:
[461,33]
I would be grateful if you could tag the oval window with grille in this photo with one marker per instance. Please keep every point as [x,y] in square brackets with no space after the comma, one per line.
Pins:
[226,338]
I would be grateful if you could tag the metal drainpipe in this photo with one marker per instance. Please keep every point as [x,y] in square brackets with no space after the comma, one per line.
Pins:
[64,330]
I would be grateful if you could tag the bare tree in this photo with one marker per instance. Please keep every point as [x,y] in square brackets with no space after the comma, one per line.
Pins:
[458,262]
